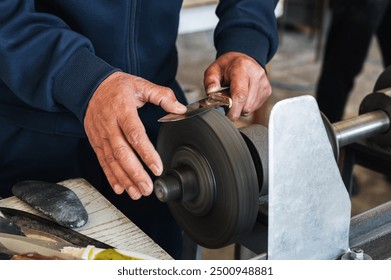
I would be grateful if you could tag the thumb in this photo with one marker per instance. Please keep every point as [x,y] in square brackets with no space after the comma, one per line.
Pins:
[213,87]
[212,79]
[165,98]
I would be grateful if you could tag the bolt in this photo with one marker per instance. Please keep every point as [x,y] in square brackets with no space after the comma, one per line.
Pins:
[357,254]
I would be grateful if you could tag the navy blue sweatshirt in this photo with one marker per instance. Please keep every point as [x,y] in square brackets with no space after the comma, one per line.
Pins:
[55,53]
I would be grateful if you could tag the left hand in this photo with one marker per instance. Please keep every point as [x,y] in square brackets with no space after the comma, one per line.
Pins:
[248,82]
[117,134]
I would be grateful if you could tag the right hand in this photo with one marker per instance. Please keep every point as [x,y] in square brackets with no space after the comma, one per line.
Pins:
[248,82]
[117,134]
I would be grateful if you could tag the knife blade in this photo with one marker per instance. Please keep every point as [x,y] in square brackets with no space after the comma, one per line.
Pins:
[32,248]
[21,245]
[212,100]
[32,224]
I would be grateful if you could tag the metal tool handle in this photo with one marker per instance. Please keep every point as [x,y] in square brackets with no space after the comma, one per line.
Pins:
[221,96]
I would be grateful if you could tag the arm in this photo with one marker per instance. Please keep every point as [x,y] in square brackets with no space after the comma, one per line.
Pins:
[52,68]
[247,26]
[246,38]
[44,62]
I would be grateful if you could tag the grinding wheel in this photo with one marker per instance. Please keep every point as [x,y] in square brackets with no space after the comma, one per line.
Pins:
[209,182]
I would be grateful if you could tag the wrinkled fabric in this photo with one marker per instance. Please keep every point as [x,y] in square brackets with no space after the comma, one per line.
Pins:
[55,53]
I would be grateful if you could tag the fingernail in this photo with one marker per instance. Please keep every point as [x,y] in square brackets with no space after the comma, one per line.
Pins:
[212,88]
[144,188]
[133,193]
[118,189]
[156,170]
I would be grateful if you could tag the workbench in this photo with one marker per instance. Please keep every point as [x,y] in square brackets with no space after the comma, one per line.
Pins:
[105,222]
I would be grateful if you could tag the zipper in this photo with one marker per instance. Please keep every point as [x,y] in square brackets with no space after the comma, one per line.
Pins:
[132,51]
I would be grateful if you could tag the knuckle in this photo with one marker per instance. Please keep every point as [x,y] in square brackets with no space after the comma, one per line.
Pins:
[137,176]
[166,99]
[240,96]
[243,64]
[133,131]
[160,95]
[146,155]
[264,92]
[243,61]
[124,180]
[149,89]
[268,90]
[246,111]
[98,148]
[109,159]
[134,137]
[167,95]
[120,153]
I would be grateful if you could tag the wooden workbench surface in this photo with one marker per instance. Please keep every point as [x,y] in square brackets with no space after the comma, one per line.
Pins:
[105,222]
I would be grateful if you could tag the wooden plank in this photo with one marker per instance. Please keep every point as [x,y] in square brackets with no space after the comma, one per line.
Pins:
[105,222]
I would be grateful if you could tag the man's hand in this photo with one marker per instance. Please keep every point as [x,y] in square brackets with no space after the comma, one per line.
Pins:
[248,82]
[117,134]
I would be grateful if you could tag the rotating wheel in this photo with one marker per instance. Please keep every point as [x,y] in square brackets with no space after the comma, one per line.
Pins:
[210,182]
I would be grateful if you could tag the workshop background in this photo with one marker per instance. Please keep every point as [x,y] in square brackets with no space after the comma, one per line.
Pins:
[293,71]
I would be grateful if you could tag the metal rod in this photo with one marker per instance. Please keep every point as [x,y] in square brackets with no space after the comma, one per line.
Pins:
[361,127]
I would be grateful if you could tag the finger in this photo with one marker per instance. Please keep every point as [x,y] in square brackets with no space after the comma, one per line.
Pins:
[119,159]
[117,176]
[97,146]
[110,159]
[134,193]
[260,90]
[111,178]
[165,98]
[254,97]
[128,169]
[239,90]
[213,78]
[251,102]
[134,134]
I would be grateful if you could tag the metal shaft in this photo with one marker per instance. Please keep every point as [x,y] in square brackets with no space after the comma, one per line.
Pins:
[361,127]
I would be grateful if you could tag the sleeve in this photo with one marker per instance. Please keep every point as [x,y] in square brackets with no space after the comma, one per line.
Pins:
[46,64]
[247,26]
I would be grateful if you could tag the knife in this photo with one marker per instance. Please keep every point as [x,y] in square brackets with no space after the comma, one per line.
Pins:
[212,100]
[32,248]
[11,244]
[32,224]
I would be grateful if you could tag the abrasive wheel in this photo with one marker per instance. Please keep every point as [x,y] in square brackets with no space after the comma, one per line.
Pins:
[210,182]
